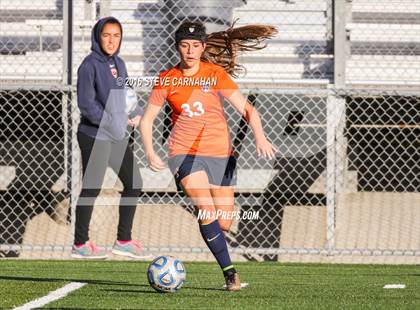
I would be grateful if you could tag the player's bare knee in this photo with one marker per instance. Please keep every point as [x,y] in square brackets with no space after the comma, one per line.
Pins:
[225,224]
[206,214]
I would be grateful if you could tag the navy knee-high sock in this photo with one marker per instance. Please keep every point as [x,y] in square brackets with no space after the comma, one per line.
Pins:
[215,239]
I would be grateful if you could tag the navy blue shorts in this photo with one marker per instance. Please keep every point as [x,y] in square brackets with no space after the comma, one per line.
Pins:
[221,171]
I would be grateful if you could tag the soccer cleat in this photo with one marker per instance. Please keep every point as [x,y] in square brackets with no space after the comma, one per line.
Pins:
[88,251]
[129,249]
[232,282]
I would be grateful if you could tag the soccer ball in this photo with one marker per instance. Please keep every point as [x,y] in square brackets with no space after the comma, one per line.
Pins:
[166,274]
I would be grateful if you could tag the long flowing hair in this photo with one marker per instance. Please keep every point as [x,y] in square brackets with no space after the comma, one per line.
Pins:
[224,47]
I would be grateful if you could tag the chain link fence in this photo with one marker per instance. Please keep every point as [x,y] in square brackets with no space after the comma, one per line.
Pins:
[378,173]
[346,179]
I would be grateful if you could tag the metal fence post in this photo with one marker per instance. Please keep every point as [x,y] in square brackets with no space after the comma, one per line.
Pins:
[335,114]
[67,101]
[330,242]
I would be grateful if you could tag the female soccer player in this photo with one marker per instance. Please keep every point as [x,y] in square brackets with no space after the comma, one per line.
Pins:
[200,150]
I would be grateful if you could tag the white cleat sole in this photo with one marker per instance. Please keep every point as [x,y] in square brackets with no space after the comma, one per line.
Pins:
[243,285]
[78,256]
[131,255]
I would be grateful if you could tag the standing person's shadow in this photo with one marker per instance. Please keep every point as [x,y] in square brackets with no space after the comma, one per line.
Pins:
[31,142]
[289,187]
[302,158]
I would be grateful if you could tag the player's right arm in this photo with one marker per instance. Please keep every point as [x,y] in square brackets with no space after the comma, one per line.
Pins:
[146,128]
[156,101]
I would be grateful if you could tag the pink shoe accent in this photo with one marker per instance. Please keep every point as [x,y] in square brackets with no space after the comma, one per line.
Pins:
[93,247]
[123,242]
[135,243]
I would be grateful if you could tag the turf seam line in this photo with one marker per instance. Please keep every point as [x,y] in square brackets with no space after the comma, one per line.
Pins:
[52,296]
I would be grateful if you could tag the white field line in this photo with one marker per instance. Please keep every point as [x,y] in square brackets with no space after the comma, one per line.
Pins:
[394,286]
[52,296]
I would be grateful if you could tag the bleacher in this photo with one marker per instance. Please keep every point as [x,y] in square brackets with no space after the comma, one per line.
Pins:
[384,40]
[385,43]
[31,36]
[300,52]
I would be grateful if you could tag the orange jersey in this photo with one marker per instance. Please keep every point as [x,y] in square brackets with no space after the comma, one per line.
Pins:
[199,123]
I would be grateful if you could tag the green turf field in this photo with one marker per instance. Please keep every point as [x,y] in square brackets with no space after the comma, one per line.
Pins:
[123,285]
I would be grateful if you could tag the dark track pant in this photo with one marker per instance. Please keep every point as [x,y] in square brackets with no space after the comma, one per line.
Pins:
[97,155]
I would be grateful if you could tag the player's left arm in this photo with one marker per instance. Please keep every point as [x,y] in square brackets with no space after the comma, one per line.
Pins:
[239,102]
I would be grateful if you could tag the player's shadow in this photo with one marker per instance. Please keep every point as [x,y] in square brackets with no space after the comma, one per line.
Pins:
[141,291]
[204,288]
[155,292]
[88,281]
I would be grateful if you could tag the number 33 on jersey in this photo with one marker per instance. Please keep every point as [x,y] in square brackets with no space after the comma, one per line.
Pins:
[198,109]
